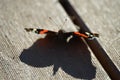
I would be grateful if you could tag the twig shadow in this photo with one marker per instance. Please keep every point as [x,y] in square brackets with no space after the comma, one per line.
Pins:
[72,57]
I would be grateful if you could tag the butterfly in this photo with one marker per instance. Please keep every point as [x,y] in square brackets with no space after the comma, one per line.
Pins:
[61,33]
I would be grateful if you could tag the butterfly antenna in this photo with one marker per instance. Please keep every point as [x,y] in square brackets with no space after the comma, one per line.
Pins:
[64,23]
[53,21]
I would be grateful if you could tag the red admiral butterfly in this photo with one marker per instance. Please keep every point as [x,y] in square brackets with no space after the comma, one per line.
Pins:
[87,35]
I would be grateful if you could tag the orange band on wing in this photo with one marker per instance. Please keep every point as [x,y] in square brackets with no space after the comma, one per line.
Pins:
[43,31]
[80,34]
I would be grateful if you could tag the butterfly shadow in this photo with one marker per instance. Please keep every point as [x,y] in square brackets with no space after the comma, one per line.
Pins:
[72,57]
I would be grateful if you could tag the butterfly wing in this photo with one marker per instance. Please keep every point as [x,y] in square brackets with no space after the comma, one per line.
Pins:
[40,31]
[87,35]
[62,33]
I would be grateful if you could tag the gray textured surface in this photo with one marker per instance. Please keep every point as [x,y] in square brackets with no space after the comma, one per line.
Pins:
[26,56]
